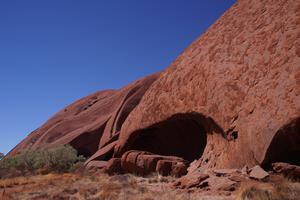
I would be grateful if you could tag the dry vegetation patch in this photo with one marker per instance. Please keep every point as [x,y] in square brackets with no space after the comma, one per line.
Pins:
[101,186]
[278,188]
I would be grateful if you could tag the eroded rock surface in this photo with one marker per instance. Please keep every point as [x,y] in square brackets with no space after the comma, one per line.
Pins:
[242,78]
[212,180]
[258,173]
[230,100]
[91,123]
[145,163]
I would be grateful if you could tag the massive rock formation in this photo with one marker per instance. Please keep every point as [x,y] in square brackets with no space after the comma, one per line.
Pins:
[230,99]
[91,123]
[237,91]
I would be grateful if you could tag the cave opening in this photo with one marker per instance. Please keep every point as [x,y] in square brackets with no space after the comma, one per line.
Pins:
[87,143]
[285,145]
[182,135]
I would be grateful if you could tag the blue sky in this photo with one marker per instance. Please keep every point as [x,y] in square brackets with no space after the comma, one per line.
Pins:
[53,52]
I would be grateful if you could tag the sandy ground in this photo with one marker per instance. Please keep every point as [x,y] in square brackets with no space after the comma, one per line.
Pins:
[102,186]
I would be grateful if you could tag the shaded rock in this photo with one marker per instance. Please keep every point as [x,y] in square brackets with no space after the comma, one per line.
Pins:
[178,169]
[95,164]
[222,172]
[171,167]
[104,153]
[192,180]
[290,171]
[285,145]
[129,163]
[164,167]
[114,166]
[258,173]
[143,163]
[237,178]
[221,184]
[245,170]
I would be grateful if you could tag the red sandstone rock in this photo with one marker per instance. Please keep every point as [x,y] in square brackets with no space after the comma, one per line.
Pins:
[178,169]
[222,172]
[104,153]
[237,86]
[258,173]
[193,180]
[230,99]
[128,162]
[95,164]
[245,170]
[212,180]
[171,167]
[220,184]
[164,167]
[144,163]
[90,123]
[114,166]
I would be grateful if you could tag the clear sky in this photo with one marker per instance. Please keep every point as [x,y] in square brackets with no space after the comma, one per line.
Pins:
[53,52]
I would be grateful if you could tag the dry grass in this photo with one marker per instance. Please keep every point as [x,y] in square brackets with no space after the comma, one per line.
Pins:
[102,186]
[277,189]
[122,187]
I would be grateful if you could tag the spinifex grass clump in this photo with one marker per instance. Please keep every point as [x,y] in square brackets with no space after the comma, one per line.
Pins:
[62,158]
[278,188]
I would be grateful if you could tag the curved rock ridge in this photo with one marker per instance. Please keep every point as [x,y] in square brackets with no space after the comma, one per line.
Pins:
[91,122]
[230,100]
[244,74]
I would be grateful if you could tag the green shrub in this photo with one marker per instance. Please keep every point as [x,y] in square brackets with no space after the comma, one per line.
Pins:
[59,159]
[1,156]
[62,158]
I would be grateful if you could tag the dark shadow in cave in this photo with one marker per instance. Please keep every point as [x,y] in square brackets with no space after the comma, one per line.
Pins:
[285,145]
[182,135]
[87,143]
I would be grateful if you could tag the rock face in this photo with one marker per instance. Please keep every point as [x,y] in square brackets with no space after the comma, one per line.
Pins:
[144,163]
[232,96]
[92,124]
[211,180]
[231,99]
[258,173]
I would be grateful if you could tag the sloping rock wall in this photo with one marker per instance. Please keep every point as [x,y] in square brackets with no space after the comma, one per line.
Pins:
[91,122]
[230,99]
[243,73]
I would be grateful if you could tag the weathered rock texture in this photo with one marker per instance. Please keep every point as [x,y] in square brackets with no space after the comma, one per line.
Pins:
[90,124]
[241,81]
[231,99]
[144,163]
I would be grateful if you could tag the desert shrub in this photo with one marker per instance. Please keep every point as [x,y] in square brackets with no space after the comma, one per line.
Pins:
[256,193]
[278,189]
[1,155]
[62,158]
[59,159]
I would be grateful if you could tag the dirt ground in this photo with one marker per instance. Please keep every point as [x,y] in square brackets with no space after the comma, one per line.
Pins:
[102,186]
[130,187]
